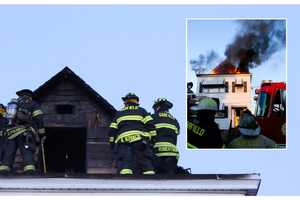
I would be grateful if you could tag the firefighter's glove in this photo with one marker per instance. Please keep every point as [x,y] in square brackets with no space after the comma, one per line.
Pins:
[41,131]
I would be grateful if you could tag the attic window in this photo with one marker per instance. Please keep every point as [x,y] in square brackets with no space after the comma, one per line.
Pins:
[64,109]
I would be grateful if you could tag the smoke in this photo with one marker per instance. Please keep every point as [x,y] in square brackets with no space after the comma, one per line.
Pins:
[204,61]
[256,42]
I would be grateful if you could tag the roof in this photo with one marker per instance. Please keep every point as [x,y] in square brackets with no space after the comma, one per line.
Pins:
[67,73]
[239,184]
[216,75]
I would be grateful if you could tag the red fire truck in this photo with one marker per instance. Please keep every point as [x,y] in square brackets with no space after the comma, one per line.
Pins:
[271,110]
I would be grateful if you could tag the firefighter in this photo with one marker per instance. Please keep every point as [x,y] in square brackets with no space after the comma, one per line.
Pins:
[130,135]
[2,128]
[250,134]
[190,95]
[167,130]
[25,129]
[203,131]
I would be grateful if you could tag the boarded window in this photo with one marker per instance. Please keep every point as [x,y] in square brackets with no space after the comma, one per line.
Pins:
[64,109]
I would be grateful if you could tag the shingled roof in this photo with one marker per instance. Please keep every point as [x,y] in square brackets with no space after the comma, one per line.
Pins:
[68,74]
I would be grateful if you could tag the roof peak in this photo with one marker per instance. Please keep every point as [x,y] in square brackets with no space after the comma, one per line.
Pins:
[67,73]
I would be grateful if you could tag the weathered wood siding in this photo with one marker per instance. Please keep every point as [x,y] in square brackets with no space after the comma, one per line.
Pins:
[88,114]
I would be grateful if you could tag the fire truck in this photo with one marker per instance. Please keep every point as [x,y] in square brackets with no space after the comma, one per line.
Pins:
[271,110]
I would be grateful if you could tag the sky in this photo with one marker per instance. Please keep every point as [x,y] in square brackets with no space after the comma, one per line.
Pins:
[141,49]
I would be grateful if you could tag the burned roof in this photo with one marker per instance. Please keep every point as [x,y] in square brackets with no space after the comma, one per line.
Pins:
[68,74]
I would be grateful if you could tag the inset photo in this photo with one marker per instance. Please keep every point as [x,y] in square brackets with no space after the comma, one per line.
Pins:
[236,83]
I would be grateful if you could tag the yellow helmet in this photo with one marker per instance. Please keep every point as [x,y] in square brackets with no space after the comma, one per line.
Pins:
[2,109]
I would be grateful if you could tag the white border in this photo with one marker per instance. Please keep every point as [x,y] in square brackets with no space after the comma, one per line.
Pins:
[286,79]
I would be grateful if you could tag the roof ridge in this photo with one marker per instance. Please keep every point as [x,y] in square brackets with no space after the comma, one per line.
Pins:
[70,73]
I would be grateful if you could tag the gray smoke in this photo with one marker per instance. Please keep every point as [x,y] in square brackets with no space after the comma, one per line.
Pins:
[256,42]
[204,61]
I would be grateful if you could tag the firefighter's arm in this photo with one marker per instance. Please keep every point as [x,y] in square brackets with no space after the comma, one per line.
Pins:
[37,116]
[112,132]
[149,126]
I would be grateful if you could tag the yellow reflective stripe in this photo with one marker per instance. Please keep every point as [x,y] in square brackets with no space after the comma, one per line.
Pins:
[190,146]
[130,138]
[149,172]
[36,113]
[152,133]
[160,144]
[135,136]
[167,149]
[111,139]
[166,125]
[4,168]
[126,171]
[146,134]
[113,125]
[129,118]
[167,154]
[29,167]
[147,119]
[41,131]
[14,132]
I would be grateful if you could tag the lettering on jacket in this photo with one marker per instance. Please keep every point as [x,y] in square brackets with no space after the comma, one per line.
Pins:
[196,129]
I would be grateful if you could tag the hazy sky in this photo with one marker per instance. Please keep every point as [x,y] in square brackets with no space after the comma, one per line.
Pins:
[142,49]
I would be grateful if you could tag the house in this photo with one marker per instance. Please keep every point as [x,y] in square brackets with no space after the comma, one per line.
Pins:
[233,91]
[76,119]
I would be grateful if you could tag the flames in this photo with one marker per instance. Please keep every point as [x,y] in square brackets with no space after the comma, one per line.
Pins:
[225,67]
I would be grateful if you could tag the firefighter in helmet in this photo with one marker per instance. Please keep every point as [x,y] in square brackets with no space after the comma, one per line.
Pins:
[130,135]
[190,95]
[203,131]
[250,134]
[167,130]
[25,129]
[2,128]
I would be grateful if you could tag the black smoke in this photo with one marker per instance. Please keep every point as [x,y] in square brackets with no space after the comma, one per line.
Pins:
[256,42]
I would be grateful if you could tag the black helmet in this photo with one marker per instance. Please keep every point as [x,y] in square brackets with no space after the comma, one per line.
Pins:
[162,101]
[130,95]
[27,92]
[189,85]
[2,106]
